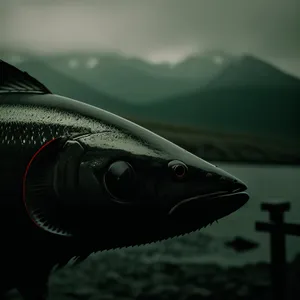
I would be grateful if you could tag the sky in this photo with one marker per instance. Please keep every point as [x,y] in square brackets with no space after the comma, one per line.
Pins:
[158,30]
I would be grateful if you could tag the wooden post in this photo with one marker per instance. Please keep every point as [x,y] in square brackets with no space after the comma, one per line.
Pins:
[277,244]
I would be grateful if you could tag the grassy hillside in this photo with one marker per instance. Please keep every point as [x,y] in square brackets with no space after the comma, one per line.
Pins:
[249,110]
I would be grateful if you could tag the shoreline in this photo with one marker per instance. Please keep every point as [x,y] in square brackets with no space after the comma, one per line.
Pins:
[122,277]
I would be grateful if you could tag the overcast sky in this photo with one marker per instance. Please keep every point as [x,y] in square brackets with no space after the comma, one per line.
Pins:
[156,29]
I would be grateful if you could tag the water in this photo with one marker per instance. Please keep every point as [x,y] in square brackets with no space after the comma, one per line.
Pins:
[265,183]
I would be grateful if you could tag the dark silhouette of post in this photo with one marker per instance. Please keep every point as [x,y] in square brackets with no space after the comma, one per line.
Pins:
[277,245]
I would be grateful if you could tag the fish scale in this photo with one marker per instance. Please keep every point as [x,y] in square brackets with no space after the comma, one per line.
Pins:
[27,134]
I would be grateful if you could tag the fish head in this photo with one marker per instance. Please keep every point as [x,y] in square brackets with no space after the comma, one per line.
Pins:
[134,190]
[127,186]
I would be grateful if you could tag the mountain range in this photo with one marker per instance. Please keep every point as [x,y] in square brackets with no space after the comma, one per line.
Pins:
[130,78]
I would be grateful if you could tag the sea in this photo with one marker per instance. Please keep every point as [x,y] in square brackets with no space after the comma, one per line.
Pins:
[266,184]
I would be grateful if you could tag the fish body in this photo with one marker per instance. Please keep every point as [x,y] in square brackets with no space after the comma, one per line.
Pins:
[75,179]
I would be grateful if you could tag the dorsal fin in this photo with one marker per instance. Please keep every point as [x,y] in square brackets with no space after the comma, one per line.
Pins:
[13,80]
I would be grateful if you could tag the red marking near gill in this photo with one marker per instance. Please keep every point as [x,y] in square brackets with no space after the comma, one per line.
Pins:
[25,177]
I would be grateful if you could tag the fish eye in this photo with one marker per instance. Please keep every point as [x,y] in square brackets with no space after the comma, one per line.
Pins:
[178,169]
[119,181]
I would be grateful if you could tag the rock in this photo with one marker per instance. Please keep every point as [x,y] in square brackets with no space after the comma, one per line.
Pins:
[119,276]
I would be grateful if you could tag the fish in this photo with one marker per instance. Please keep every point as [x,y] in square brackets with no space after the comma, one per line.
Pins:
[240,244]
[76,180]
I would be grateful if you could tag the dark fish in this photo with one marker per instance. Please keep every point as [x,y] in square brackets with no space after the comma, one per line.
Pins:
[76,179]
[240,244]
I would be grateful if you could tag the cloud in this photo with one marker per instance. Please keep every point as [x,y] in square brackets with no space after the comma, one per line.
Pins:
[154,28]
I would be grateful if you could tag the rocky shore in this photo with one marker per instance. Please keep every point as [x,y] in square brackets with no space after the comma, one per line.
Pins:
[163,275]
[167,280]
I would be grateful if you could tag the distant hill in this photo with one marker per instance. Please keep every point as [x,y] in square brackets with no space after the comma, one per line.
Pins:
[63,85]
[247,110]
[248,71]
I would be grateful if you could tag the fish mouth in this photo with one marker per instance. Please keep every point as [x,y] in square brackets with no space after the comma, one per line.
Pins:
[199,211]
